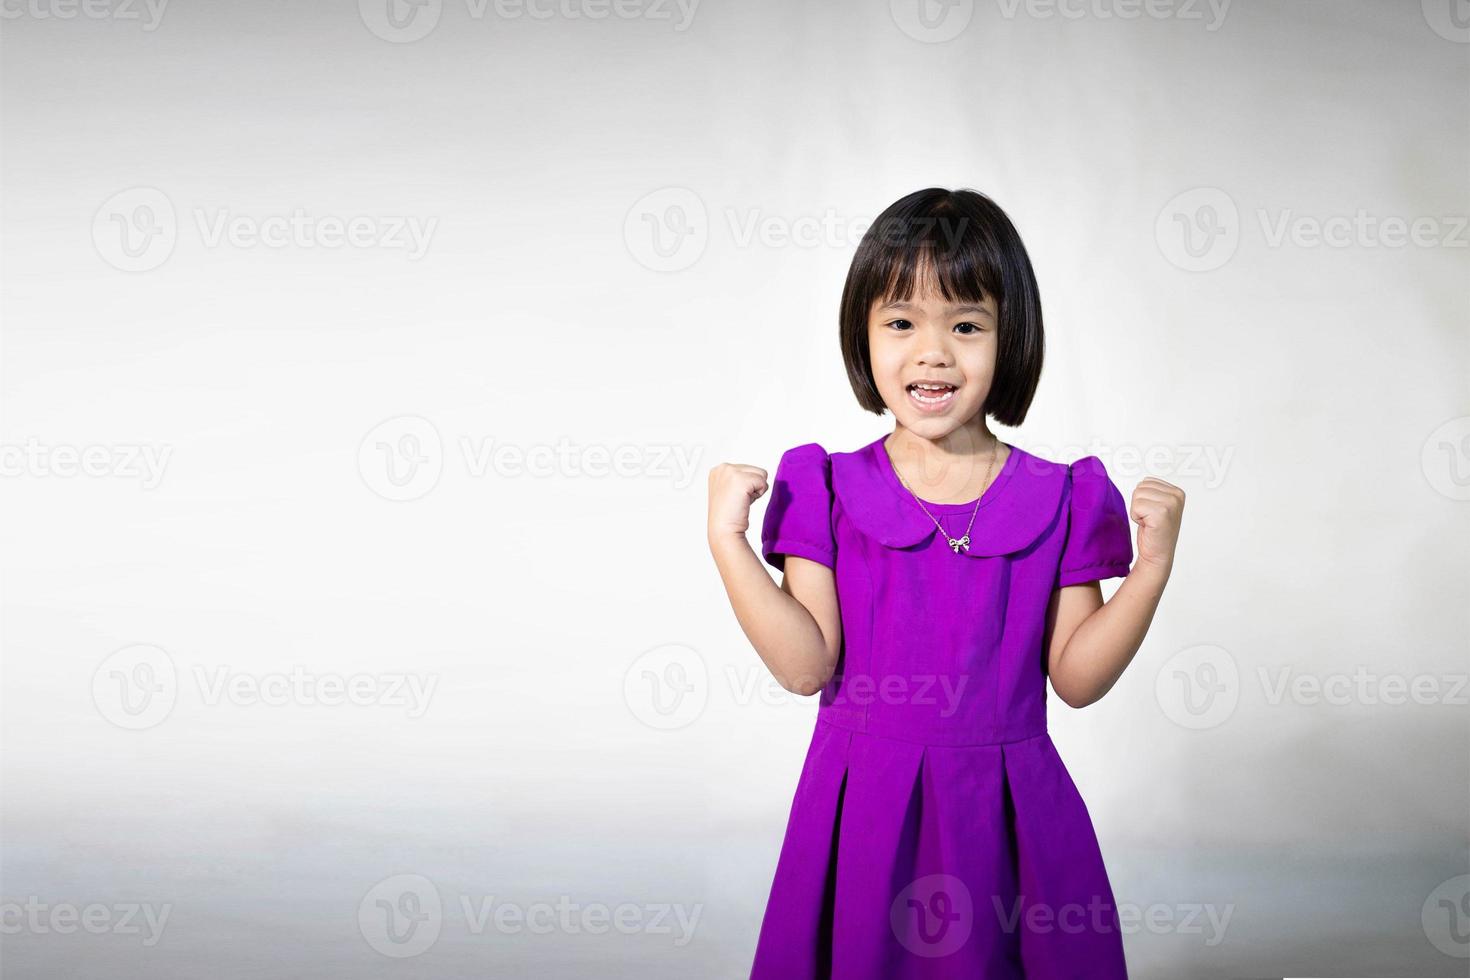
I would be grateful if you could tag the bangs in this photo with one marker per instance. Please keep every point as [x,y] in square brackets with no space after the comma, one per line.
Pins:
[932,253]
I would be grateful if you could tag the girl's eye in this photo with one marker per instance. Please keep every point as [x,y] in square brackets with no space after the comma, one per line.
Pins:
[974,327]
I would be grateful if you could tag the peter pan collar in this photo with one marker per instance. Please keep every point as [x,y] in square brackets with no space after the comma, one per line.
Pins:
[1020,504]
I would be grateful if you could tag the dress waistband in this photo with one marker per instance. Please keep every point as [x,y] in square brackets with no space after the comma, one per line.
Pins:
[874,728]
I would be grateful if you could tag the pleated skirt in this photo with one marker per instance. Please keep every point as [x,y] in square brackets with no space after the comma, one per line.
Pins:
[909,861]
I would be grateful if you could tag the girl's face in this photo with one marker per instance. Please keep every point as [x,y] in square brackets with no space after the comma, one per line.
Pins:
[928,339]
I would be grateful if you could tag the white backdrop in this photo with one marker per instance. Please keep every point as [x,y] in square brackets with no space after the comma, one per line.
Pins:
[362,369]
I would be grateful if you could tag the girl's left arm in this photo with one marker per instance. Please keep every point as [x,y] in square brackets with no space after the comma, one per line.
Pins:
[1090,642]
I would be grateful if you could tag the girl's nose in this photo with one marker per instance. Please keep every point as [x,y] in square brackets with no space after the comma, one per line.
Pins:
[936,356]
[936,348]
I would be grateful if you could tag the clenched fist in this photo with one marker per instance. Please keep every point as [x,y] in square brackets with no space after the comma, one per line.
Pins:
[1157,508]
[733,487]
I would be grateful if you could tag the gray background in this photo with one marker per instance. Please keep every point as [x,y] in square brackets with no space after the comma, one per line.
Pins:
[598,730]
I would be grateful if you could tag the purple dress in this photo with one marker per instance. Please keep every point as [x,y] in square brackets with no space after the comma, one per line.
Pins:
[935,831]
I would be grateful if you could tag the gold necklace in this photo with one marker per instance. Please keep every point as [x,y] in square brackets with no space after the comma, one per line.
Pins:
[955,544]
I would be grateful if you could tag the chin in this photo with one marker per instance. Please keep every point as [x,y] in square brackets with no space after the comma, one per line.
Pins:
[931,428]
[936,425]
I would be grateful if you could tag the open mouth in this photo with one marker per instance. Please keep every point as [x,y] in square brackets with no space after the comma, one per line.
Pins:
[931,395]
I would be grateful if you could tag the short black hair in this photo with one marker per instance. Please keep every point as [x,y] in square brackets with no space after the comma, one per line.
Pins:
[969,241]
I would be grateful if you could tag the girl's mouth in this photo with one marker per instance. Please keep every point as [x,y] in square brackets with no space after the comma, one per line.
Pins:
[931,397]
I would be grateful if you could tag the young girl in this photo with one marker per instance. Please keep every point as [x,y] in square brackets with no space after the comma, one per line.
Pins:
[933,580]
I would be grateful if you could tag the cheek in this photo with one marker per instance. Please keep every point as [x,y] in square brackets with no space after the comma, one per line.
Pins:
[981,366]
[887,362]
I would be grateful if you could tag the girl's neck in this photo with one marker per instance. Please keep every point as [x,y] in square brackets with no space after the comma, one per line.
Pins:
[957,468]
[965,443]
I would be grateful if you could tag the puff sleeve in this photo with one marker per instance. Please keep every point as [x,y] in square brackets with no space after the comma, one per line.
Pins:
[1098,544]
[798,518]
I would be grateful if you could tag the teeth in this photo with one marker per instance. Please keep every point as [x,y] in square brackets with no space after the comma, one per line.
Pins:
[934,387]
[931,399]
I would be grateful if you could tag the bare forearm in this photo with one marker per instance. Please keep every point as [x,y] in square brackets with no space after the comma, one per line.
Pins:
[782,630]
[1103,645]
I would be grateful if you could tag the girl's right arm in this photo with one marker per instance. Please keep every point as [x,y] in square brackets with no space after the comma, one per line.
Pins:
[796,628]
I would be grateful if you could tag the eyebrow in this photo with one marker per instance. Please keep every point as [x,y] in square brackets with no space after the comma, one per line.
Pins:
[966,308]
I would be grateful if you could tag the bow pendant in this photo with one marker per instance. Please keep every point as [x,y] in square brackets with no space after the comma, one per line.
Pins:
[961,543]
